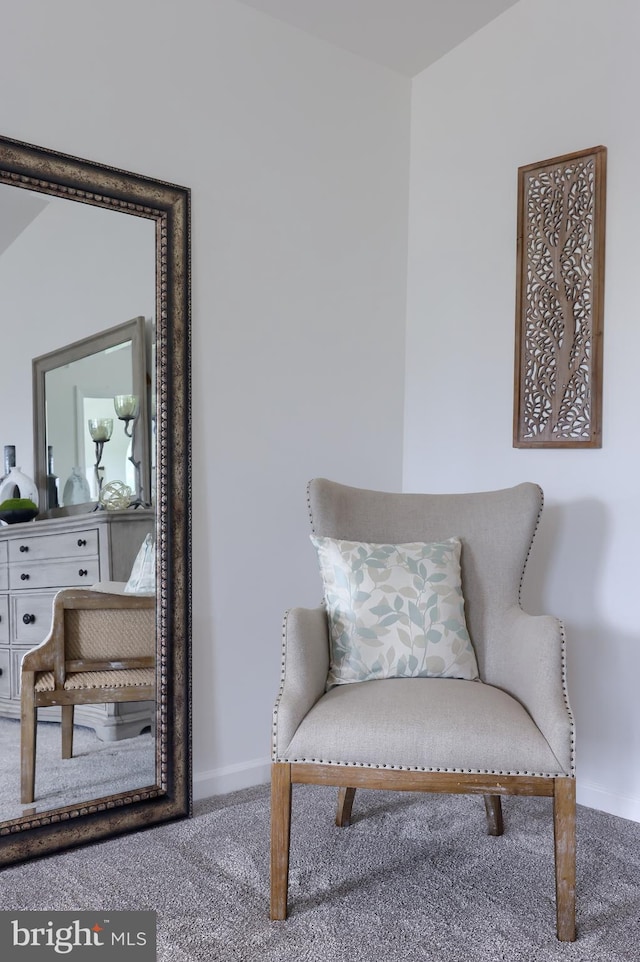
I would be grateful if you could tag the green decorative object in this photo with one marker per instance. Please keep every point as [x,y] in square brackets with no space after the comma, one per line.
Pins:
[14,510]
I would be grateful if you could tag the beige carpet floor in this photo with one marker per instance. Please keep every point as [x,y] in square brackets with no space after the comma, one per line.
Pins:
[415,877]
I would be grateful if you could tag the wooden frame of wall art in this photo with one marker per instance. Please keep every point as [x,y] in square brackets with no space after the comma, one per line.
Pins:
[560,302]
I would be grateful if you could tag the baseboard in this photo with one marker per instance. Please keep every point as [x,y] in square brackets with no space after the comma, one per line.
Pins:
[231,778]
[624,806]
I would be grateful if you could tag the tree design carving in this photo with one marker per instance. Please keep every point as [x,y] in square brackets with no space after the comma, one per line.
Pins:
[559,302]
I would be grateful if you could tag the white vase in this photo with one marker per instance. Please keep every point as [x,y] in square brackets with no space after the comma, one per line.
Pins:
[76,488]
[25,485]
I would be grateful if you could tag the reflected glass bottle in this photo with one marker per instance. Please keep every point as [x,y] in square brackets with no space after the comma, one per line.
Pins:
[9,460]
[52,481]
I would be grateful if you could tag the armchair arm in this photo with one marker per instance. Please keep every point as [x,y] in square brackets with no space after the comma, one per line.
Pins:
[305,665]
[529,663]
[41,658]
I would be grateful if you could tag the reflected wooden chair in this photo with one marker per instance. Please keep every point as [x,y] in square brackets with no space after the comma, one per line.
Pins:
[101,649]
[509,734]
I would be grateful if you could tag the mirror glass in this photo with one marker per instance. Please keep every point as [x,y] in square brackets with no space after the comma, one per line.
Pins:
[94,290]
[91,422]
[76,396]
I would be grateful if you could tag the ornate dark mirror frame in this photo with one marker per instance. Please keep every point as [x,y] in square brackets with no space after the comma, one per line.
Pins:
[45,171]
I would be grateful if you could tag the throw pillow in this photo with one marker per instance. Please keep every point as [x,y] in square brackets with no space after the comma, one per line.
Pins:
[395,610]
[142,580]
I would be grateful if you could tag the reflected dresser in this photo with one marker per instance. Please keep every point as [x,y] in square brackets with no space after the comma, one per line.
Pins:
[36,560]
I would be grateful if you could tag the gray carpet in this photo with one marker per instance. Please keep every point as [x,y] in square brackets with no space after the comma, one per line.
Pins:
[96,769]
[415,877]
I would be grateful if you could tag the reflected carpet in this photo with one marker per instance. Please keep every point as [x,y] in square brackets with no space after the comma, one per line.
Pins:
[96,769]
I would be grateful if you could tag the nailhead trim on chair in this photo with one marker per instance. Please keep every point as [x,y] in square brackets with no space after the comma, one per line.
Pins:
[533,535]
[420,768]
[309,507]
[283,659]
[563,647]
[565,693]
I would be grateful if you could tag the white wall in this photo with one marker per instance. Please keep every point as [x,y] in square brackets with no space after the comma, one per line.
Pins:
[297,157]
[544,79]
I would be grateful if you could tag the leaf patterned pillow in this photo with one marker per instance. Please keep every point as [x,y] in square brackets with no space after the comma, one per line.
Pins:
[395,610]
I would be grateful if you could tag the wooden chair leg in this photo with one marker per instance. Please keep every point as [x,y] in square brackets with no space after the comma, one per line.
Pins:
[345,804]
[493,807]
[564,824]
[280,837]
[28,730]
[67,731]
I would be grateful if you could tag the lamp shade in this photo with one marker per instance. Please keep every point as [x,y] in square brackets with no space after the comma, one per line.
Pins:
[126,406]
[100,429]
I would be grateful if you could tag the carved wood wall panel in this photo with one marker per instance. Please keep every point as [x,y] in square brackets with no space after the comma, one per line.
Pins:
[559,302]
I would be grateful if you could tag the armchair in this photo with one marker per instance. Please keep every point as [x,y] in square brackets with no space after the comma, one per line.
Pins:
[508,733]
[101,649]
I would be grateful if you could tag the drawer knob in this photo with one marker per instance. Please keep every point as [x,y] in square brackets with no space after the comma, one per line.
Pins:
[29,619]
[24,547]
[83,572]
[82,542]
[24,577]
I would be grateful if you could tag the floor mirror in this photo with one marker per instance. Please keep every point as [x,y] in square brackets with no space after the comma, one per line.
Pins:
[95,430]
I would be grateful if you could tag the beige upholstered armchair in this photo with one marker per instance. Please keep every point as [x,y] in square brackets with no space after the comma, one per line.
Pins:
[508,732]
[101,649]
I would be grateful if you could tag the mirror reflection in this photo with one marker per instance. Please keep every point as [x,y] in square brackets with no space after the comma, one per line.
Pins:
[79,411]
[77,301]
[91,425]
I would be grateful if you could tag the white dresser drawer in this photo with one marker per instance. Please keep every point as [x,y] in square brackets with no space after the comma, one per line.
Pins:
[4,619]
[32,617]
[4,571]
[5,678]
[62,574]
[17,654]
[77,544]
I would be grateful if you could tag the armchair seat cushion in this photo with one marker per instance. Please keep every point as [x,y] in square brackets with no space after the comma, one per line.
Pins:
[433,724]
